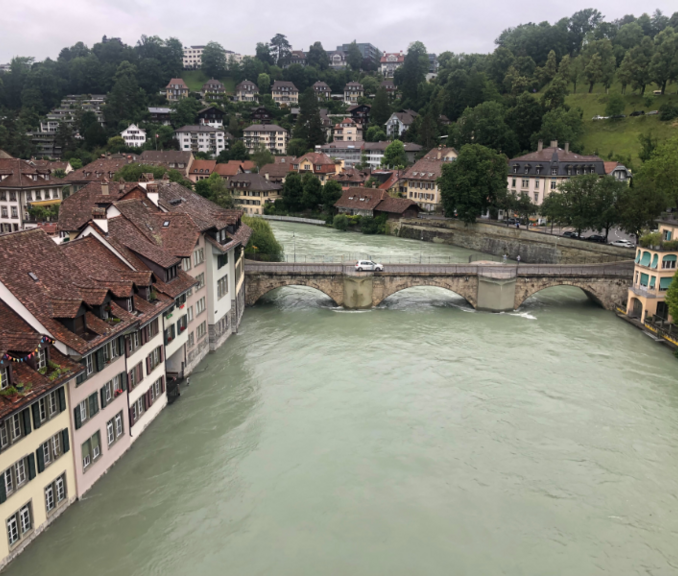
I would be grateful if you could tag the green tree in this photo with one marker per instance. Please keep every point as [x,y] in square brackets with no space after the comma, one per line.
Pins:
[548,72]
[312,194]
[615,105]
[562,125]
[554,94]
[672,298]
[95,136]
[525,119]
[664,63]
[340,222]
[381,108]
[412,73]
[293,190]
[297,147]
[472,183]
[394,155]
[214,60]
[354,57]
[309,126]
[600,63]
[661,169]
[125,102]
[317,57]
[574,203]
[264,83]
[262,156]
[607,196]
[331,193]
[648,144]
[262,244]
[485,124]
[263,54]
[239,151]
[220,194]
[64,137]
[640,205]
[116,144]
[185,112]
[280,49]
[375,134]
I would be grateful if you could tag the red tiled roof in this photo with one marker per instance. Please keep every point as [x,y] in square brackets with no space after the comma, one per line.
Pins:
[203,166]
[610,166]
[361,198]
[18,173]
[396,205]
[316,158]
[103,168]
[179,81]
[231,168]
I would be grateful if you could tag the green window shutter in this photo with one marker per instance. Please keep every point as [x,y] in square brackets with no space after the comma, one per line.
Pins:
[103,397]
[26,413]
[41,459]
[36,415]
[76,417]
[93,404]
[653,279]
[121,345]
[3,494]
[65,443]
[62,399]
[664,283]
[644,278]
[123,380]
[99,359]
[31,466]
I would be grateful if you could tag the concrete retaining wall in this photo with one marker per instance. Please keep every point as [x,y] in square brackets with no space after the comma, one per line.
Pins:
[533,247]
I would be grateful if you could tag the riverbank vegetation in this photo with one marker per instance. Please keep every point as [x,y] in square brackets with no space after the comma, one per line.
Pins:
[262,244]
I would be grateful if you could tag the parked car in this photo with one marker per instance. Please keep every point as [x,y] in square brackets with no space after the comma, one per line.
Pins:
[618,116]
[653,113]
[638,113]
[599,118]
[622,243]
[595,238]
[368,265]
[570,234]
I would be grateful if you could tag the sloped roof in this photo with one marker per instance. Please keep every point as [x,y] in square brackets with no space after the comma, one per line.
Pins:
[19,173]
[166,157]
[252,182]
[103,168]
[396,205]
[230,168]
[177,81]
[203,165]
[360,198]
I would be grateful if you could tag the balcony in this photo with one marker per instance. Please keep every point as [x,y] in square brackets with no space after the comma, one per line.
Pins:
[645,292]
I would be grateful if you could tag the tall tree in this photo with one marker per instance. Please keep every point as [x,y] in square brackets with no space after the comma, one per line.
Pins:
[125,102]
[293,190]
[263,53]
[472,183]
[639,206]
[381,108]
[661,169]
[331,194]
[412,73]
[574,203]
[214,60]
[580,24]
[354,57]
[394,155]
[486,125]
[262,156]
[309,126]
[600,63]
[280,49]
[664,63]
[312,194]
[317,57]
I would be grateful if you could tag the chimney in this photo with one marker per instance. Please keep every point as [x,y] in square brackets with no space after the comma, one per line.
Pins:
[540,145]
[567,146]
[554,143]
[104,188]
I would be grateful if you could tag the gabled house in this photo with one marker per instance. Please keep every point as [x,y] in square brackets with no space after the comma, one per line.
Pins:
[353,91]
[348,131]
[176,90]
[251,192]
[260,115]
[211,116]
[160,115]
[360,113]
[134,136]
[277,171]
[284,93]
[246,91]
[360,201]
[337,59]
[297,57]
[390,62]
[420,181]
[98,170]
[374,152]
[322,90]
[213,88]
[390,88]
[201,169]
[399,122]
[315,163]
[170,159]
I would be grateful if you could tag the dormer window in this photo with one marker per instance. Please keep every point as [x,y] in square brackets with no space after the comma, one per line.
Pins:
[515,169]
[130,305]
[554,171]
[4,377]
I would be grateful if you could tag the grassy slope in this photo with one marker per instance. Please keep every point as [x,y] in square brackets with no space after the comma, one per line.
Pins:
[196,78]
[604,137]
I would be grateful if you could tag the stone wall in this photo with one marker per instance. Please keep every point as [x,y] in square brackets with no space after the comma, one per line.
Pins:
[533,247]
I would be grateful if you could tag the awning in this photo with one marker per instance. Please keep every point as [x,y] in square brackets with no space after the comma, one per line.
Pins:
[664,283]
[45,203]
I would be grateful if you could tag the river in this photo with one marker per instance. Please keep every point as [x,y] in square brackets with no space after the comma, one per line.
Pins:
[420,437]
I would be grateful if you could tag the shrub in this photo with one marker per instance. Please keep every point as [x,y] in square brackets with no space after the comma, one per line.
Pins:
[340,222]
[263,244]
[668,112]
[651,239]
[671,245]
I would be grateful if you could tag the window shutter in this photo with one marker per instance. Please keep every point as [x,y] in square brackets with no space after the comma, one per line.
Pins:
[140,371]
[131,417]
[129,380]
[127,347]
[103,397]
[162,383]
[76,417]
[41,459]
[31,466]
[27,421]
[65,443]
[36,415]
[148,364]
[147,404]
[162,353]
[93,404]
[62,399]
[143,336]
[121,344]
[100,359]
[123,380]
[3,494]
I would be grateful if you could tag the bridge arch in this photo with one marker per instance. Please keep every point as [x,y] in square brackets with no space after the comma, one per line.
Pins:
[255,291]
[604,292]
[464,286]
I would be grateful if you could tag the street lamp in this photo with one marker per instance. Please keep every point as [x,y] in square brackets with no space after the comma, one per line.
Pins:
[294,244]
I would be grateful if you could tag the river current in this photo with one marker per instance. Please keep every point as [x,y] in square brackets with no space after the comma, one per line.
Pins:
[420,437]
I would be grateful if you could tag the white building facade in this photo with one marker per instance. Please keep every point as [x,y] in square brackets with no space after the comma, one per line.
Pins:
[201,139]
[134,136]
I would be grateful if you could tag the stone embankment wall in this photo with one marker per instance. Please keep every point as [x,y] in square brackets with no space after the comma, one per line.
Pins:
[533,247]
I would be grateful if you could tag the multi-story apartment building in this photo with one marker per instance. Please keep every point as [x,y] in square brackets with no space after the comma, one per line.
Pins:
[539,173]
[316,163]
[348,152]
[337,59]
[193,57]
[353,91]
[297,57]
[348,131]
[655,267]
[374,152]
[23,186]
[160,115]
[176,90]
[390,88]
[69,109]
[36,463]
[390,62]
[246,91]
[251,192]
[284,93]
[368,51]
[420,181]
[134,136]
[201,139]
[322,90]
[271,136]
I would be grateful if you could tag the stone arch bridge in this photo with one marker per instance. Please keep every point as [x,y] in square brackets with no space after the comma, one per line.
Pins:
[493,287]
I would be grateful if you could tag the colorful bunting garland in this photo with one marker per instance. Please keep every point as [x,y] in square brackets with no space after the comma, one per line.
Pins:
[10,358]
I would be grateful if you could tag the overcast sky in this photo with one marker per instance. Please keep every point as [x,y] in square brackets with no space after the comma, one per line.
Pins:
[40,28]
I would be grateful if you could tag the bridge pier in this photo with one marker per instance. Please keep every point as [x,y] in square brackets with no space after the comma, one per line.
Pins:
[358,292]
[496,294]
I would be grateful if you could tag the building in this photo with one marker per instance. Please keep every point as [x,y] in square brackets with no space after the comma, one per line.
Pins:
[390,62]
[347,131]
[278,170]
[321,165]
[229,169]
[368,51]
[351,177]
[97,171]
[70,108]
[170,159]
[284,93]
[350,153]
[374,152]
[211,116]
[270,136]
[297,57]
[360,201]
[260,115]
[337,59]
[202,169]
[52,165]
[432,64]
[160,115]
[655,267]
[134,136]
[618,171]
[23,186]
[246,91]
[399,122]
[193,57]
[322,90]
[252,191]
[539,173]
[390,88]
[360,113]
[213,88]
[397,208]
[176,90]
[38,476]
[420,181]
[201,139]
[353,91]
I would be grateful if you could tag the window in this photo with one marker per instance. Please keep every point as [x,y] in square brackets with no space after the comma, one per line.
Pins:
[119,430]
[201,281]
[137,410]
[191,340]
[189,314]
[222,260]
[201,330]
[89,364]
[19,473]
[19,524]
[526,183]
[200,306]
[536,183]
[110,432]
[55,493]
[553,184]
[222,287]
[135,375]
[536,197]
[15,213]
[4,378]
[198,256]
[91,450]
[153,359]
[111,351]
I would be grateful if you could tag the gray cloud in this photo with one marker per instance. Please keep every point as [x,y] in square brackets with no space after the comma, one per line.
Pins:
[42,27]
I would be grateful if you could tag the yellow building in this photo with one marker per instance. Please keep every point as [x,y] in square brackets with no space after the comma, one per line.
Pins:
[653,273]
[36,460]
[251,192]
[420,180]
